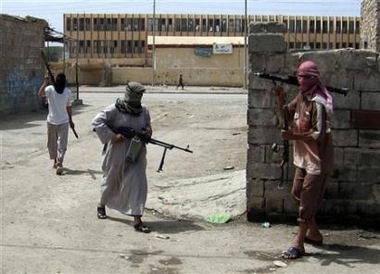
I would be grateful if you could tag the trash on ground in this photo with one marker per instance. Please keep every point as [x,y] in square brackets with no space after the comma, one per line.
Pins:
[162,236]
[219,218]
[280,264]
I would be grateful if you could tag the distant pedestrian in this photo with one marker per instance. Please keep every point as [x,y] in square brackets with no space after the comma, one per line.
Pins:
[59,117]
[311,111]
[180,82]
[124,184]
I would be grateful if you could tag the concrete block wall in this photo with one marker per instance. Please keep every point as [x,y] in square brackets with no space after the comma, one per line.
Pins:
[370,25]
[353,193]
[22,69]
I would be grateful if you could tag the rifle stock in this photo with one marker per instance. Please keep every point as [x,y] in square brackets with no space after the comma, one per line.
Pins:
[292,80]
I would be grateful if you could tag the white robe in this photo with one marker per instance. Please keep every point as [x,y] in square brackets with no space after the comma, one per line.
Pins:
[124,185]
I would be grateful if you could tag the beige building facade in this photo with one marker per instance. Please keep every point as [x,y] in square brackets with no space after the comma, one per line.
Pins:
[126,35]
[114,48]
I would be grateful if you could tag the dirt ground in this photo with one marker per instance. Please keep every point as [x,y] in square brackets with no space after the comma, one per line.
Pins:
[48,222]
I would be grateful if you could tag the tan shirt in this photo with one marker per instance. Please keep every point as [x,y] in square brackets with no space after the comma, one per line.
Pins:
[316,155]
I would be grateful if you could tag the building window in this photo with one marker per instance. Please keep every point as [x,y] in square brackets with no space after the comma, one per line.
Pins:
[184,26]
[197,25]
[311,26]
[81,46]
[88,24]
[298,26]
[331,26]
[177,24]
[351,27]
[291,26]
[318,26]
[191,26]
[96,48]
[68,24]
[357,28]
[88,46]
[81,24]
[231,25]
[285,22]
[324,26]
[344,27]
[75,24]
[162,24]
[304,26]
[337,27]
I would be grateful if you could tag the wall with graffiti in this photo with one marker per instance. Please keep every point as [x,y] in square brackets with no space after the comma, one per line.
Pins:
[22,70]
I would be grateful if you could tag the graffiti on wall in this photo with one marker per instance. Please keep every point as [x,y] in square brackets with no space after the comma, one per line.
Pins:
[21,88]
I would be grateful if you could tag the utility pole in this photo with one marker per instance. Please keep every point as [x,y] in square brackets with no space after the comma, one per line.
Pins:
[154,45]
[245,45]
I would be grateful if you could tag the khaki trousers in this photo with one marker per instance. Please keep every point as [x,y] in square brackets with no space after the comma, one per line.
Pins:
[57,141]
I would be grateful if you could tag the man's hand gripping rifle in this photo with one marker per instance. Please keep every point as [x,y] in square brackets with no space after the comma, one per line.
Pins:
[130,133]
[292,80]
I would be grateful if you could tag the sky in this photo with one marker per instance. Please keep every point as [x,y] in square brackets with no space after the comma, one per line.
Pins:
[52,11]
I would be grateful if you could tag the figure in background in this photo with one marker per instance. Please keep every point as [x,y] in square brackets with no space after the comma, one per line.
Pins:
[310,129]
[124,185]
[180,82]
[59,118]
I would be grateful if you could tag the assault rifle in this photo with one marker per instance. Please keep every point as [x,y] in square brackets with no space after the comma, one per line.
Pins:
[285,147]
[292,80]
[51,75]
[47,65]
[130,133]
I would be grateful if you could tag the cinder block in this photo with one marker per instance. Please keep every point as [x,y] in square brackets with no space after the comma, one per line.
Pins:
[263,171]
[341,119]
[255,188]
[266,43]
[369,139]
[345,138]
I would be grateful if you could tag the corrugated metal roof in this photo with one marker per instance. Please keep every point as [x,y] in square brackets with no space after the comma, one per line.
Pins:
[195,40]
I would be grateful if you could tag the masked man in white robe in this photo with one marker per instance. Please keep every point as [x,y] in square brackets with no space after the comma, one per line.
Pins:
[123,128]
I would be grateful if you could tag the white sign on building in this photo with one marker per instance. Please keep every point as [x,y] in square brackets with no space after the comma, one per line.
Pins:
[222,48]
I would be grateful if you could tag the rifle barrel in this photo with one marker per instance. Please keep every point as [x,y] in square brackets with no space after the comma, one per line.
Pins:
[292,80]
[169,146]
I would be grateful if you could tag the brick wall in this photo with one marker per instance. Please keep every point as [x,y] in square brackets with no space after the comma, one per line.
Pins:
[21,69]
[353,192]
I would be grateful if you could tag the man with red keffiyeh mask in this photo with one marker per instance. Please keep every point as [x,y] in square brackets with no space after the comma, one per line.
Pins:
[310,129]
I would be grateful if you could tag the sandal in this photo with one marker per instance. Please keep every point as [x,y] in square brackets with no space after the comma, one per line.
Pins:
[140,227]
[292,253]
[59,170]
[101,212]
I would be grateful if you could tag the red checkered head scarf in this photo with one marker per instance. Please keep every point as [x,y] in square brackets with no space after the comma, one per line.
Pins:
[310,84]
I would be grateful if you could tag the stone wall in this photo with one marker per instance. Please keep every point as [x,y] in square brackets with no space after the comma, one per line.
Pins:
[353,193]
[22,68]
[370,25]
